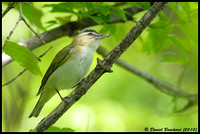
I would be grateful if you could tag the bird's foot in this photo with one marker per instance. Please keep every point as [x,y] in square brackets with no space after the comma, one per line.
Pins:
[63,99]
[104,67]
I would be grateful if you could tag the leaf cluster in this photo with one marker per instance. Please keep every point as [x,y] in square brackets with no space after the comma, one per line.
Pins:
[55,129]
[176,32]
[100,12]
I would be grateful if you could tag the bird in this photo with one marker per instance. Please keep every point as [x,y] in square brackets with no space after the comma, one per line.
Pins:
[69,67]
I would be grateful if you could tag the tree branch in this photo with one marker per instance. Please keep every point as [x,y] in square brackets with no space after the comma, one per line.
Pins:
[69,29]
[11,32]
[163,86]
[99,70]
[9,7]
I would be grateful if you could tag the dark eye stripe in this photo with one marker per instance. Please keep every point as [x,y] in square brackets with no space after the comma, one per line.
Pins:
[89,30]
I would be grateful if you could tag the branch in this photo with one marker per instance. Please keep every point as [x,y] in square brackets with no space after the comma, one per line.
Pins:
[159,84]
[11,32]
[22,18]
[69,29]
[27,3]
[100,69]
[10,6]
[13,79]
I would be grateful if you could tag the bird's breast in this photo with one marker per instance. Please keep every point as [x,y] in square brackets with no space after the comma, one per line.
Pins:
[72,71]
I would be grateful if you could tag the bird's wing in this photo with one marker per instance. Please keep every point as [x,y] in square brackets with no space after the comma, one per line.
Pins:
[57,61]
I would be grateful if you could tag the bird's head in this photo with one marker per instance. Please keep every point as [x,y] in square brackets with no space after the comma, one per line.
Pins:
[89,38]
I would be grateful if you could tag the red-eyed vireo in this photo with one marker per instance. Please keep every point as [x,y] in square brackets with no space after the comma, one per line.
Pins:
[69,67]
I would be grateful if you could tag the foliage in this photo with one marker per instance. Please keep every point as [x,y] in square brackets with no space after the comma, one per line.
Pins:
[97,11]
[142,5]
[174,33]
[33,19]
[55,129]
[17,52]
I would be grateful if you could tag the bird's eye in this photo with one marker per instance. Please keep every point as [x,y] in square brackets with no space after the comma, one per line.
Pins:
[89,33]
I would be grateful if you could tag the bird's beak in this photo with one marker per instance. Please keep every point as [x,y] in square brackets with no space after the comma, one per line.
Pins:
[101,36]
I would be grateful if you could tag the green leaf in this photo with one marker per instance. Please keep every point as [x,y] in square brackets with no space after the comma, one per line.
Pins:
[51,22]
[119,12]
[96,19]
[177,42]
[105,18]
[102,8]
[62,7]
[146,5]
[57,129]
[173,58]
[162,22]
[142,5]
[180,104]
[23,56]
[32,130]
[33,19]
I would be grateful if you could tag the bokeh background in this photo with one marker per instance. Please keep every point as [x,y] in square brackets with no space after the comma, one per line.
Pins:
[118,101]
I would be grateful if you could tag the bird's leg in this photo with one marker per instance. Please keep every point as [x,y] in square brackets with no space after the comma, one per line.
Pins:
[63,99]
[105,68]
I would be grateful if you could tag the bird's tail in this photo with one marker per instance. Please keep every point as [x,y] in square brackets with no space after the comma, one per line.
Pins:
[37,109]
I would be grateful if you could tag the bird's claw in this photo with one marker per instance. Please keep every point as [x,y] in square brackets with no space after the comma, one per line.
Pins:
[104,67]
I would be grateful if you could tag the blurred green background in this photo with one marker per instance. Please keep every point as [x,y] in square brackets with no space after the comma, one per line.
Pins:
[118,101]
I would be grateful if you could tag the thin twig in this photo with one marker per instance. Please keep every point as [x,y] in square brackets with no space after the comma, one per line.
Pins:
[27,3]
[10,6]
[159,84]
[24,69]
[11,32]
[45,52]
[22,18]
[14,78]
